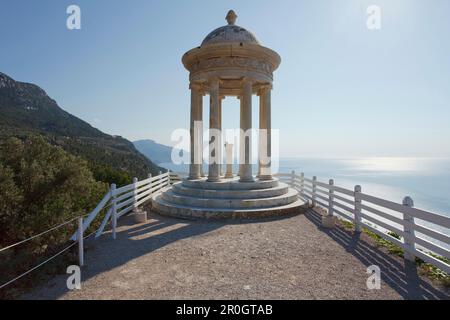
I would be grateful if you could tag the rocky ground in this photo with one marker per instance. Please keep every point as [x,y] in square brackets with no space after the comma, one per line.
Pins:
[290,258]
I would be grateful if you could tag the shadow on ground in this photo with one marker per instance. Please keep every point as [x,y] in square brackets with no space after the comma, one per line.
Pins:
[400,275]
[134,240]
[126,247]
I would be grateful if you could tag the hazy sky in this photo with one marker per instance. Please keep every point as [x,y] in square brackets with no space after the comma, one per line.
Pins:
[341,91]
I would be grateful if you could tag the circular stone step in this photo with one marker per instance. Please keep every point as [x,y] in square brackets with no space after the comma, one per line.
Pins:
[230,184]
[226,203]
[189,212]
[279,190]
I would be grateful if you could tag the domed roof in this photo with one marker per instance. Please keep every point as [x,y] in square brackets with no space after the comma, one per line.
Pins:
[230,33]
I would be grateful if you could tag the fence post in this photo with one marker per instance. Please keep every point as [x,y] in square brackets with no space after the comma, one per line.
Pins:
[302,182]
[331,198]
[168,177]
[135,193]
[150,183]
[408,228]
[292,178]
[314,190]
[80,242]
[114,210]
[328,219]
[357,213]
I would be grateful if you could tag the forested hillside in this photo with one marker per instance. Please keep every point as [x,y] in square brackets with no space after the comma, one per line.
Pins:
[26,110]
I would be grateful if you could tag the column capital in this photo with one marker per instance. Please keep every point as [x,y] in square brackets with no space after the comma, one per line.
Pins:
[214,82]
[195,86]
[264,88]
[246,80]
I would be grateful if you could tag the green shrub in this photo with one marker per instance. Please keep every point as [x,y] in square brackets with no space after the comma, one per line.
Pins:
[40,186]
[426,269]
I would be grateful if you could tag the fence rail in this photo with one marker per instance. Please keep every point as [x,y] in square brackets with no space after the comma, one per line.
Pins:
[127,198]
[399,223]
[117,201]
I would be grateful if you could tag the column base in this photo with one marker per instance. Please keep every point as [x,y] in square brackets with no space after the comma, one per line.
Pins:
[213,173]
[265,177]
[246,179]
[194,172]
[229,176]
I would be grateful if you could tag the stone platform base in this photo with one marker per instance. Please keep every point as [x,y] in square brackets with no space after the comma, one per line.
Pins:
[228,199]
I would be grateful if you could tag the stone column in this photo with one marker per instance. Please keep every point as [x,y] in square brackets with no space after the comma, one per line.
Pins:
[213,175]
[241,137]
[196,132]
[202,173]
[220,153]
[246,126]
[229,156]
[265,143]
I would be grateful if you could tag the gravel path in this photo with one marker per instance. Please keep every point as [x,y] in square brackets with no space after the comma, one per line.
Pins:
[291,258]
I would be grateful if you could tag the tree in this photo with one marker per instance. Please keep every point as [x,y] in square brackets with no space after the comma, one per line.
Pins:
[40,186]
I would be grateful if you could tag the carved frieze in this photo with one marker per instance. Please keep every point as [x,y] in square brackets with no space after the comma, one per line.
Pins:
[232,62]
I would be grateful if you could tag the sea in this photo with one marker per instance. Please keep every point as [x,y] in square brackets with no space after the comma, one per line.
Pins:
[425,180]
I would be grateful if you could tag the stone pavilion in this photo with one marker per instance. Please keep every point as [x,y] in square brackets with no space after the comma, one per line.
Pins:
[230,62]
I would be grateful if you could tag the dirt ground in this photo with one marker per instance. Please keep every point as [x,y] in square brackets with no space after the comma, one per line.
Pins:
[289,258]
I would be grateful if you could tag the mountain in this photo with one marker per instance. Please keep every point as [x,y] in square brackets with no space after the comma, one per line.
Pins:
[159,153]
[25,109]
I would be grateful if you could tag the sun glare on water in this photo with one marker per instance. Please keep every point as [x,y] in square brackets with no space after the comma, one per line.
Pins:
[391,164]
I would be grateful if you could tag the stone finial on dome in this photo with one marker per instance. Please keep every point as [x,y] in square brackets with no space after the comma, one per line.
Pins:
[231,17]
[230,33]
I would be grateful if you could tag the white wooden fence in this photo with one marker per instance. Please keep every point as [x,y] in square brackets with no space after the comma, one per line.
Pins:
[422,234]
[120,201]
[418,232]
[117,202]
